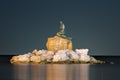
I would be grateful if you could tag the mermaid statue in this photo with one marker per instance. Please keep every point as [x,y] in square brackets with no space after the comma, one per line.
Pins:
[61,33]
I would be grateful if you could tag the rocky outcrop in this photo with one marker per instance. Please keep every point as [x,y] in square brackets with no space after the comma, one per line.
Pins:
[64,56]
[59,50]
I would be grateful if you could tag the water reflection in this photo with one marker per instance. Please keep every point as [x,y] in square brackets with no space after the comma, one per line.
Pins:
[58,72]
[51,72]
[21,72]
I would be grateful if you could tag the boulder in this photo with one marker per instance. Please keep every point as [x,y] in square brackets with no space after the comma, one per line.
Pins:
[58,43]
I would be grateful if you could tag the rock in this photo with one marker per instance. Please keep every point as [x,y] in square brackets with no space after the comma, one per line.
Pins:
[21,59]
[83,53]
[58,43]
[14,59]
[40,52]
[60,56]
[73,56]
[34,51]
[35,59]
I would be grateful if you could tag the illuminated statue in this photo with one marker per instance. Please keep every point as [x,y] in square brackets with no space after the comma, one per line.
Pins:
[59,41]
[62,27]
[62,31]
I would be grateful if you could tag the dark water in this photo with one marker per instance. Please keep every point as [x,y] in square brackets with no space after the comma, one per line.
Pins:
[59,71]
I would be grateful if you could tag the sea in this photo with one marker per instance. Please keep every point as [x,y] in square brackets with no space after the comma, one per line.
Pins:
[110,70]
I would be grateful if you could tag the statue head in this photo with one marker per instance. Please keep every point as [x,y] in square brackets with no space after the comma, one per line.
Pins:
[62,27]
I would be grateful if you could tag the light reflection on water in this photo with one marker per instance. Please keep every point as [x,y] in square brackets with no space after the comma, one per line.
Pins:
[51,72]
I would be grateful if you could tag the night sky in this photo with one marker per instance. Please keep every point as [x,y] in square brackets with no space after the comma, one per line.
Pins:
[25,25]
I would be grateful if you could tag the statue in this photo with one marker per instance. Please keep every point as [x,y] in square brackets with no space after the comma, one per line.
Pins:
[60,41]
[61,33]
[62,27]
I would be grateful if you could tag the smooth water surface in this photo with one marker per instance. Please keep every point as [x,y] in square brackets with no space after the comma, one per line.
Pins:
[59,72]
[10,71]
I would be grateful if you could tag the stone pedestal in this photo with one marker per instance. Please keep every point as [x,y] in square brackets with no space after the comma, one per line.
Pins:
[58,43]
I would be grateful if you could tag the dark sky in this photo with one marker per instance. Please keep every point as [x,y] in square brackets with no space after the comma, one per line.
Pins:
[25,25]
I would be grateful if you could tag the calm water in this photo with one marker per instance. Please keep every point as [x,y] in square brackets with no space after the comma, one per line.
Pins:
[59,71]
